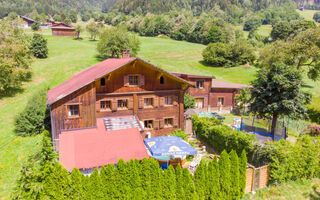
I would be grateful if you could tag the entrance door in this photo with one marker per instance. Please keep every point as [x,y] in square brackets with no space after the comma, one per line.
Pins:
[199,103]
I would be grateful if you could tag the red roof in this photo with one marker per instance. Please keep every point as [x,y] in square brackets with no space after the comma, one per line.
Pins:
[222,84]
[92,73]
[96,147]
[85,77]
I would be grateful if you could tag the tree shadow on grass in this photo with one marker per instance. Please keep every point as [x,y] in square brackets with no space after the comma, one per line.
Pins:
[307,86]
[11,92]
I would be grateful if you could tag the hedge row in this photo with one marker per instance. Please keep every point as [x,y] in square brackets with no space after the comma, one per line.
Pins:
[223,179]
[222,137]
[287,161]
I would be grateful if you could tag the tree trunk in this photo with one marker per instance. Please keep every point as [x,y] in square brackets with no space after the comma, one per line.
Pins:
[274,124]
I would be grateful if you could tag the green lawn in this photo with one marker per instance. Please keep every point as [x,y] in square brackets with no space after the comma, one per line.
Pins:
[307,14]
[298,190]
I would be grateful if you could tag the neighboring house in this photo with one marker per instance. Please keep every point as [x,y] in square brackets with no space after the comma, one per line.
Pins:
[101,114]
[212,95]
[27,22]
[61,29]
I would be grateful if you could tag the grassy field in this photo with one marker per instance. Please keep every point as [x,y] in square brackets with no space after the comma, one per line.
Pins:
[307,14]
[298,190]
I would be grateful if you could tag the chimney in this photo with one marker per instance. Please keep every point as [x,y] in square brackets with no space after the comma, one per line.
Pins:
[125,53]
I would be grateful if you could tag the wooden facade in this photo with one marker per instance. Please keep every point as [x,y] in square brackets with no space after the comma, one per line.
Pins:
[217,97]
[61,29]
[156,100]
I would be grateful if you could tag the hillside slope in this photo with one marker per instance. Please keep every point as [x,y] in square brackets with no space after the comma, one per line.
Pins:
[23,7]
[196,6]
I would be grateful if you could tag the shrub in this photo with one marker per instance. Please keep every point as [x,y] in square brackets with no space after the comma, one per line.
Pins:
[312,130]
[295,161]
[222,137]
[38,46]
[316,17]
[218,54]
[179,133]
[31,120]
[222,54]
[252,22]
[35,26]
[189,102]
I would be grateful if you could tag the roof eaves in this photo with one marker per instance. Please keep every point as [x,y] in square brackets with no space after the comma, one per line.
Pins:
[64,95]
[181,79]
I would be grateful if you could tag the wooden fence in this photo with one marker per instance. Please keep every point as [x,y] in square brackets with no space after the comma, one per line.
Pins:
[256,178]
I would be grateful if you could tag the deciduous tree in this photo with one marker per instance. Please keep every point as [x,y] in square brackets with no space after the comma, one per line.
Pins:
[114,40]
[277,91]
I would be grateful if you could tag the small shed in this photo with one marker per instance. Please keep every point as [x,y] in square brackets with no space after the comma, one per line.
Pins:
[27,21]
[61,29]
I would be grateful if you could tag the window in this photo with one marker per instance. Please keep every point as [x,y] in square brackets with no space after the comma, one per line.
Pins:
[168,100]
[122,104]
[148,124]
[105,105]
[103,82]
[73,110]
[168,122]
[161,80]
[148,102]
[133,80]
[220,101]
[200,84]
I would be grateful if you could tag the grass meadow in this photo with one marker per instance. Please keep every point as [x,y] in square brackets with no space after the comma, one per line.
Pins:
[68,56]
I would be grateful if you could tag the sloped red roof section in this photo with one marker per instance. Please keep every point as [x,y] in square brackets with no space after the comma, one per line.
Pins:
[96,147]
[85,77]
[222,84]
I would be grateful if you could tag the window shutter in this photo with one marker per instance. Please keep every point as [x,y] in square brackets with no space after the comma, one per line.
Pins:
[175,100]
[141,102]
[162,101]
[114,105]
[161,123]
[130,103]
[156,102]
[156,124]
[141,80]
[126,80]
[175,122]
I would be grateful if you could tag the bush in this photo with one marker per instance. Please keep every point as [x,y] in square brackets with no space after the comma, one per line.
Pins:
[226,55]
[222,137]
[31,120]
[252,22]
[189,102]
[38,46]
[179,133]
[35,26]
[316,17]
[312,130]
[295,161]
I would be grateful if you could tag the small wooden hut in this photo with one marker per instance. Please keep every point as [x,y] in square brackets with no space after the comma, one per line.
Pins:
[61,29]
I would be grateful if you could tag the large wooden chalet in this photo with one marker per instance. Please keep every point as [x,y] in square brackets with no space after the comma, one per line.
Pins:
[102,113]
[112,99]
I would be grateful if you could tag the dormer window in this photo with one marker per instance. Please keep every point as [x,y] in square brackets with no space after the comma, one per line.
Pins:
[103,82]
[133,80]
[200,84]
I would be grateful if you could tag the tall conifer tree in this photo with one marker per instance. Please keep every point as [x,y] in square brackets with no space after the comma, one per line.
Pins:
[225,179]
[76,184]
[234,172]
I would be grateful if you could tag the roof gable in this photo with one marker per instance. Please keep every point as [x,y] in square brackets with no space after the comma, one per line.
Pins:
[93,73]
